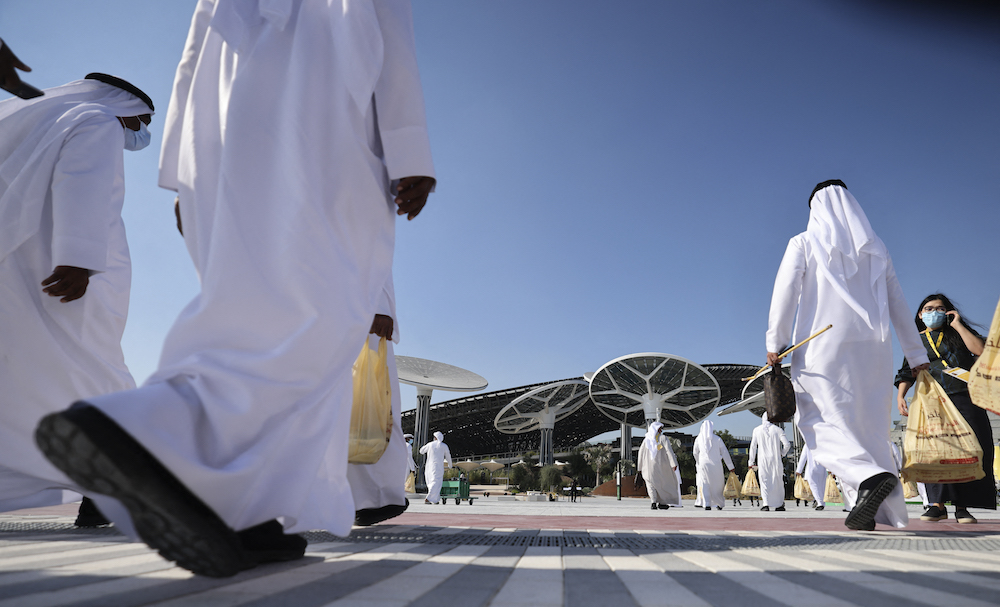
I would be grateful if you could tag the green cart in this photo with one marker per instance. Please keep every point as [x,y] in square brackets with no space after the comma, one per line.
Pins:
[457,490]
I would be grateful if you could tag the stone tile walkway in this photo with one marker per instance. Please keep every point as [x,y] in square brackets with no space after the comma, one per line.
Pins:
[609,553]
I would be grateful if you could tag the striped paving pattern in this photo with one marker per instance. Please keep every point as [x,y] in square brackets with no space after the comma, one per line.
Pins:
[397,565]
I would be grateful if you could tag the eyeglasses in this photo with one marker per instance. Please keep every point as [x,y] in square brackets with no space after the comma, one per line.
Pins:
[935,309]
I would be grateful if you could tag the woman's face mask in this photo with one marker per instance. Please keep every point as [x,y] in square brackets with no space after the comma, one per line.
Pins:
[934,319]
[137,140]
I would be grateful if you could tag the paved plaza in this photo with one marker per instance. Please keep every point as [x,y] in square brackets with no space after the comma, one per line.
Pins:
[597,552]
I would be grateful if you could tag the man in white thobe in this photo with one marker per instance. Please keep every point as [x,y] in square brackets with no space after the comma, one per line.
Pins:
[65,271]
[838,272]
[437,453]
[709,454]
[815,475]
[289,184]
[378,488]
[768,446]
[658,468]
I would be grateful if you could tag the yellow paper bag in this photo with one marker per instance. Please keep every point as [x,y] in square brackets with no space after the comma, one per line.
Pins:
[939,444]
[751,488]
[371,413]
[802,490]
[832,491]
[732,490]
[984,376]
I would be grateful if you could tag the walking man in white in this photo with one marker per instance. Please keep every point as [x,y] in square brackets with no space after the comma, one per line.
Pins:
[709,454]
[289,185]
[437,453]
[658,468]
[838,272]
[815,475]
[768,446]
[65,269]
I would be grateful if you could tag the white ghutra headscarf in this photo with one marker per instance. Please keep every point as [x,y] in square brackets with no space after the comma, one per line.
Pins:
[842,239]
[650,441]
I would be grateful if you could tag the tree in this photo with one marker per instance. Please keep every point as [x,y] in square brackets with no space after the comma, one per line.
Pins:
[598,456]
[577,466]
[549,477]
[524,477]
[731,442]
[685,462]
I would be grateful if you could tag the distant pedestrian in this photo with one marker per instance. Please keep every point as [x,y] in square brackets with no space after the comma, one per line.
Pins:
[709,454]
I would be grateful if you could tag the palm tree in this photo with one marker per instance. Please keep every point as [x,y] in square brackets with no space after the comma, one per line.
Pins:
[598,456]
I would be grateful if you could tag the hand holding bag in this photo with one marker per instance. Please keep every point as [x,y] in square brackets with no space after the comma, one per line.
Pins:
[939,444]
[371,412]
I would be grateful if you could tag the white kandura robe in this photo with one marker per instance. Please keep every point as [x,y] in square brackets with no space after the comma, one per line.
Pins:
[813,472]
[437,453]
[61,195]
[657,469]
[710,476]
[283,172]
[842,379]
[768,446]
[381,484]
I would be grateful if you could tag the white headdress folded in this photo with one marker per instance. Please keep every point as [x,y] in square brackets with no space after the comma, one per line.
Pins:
[650,441]
[438,436]
[706,435]
[842,240]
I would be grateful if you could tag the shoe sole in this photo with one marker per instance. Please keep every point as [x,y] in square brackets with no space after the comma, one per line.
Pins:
[933,519]
[189,534]
[862,516]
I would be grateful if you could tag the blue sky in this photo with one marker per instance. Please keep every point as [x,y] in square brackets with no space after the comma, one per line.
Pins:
[617,177]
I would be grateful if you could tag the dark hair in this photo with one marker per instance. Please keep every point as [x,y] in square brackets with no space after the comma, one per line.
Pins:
[823,184]
[951,337]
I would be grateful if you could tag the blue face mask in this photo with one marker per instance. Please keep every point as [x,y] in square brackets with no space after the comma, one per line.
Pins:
[934,319]
[137,140]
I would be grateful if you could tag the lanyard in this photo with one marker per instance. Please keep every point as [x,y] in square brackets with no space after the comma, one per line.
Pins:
[934,346]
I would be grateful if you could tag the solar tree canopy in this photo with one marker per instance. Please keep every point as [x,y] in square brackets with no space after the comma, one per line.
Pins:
[646,386]
[424,373]
[542,406]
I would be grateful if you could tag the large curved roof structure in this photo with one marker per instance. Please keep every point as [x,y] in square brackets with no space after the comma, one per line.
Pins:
[468,421]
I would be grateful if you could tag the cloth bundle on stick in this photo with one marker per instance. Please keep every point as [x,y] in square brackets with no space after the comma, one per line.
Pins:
[751,488]
[940,445]
[802,490]
[732,489]
[984,376]
[371,413]
[832,492]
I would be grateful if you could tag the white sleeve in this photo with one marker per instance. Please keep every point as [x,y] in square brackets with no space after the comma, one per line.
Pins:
[902,320]
[725,455]
[801,467]
[399,97]
[752,454]
[170,149]
[425,448]
[784,443]
[670,454]
[447,454]
[785,297]
[83,183]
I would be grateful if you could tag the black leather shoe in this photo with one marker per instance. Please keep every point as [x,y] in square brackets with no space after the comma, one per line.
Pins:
[708,507]
[663,506]
[652,506]
[103,458]
[369,516]
[268,543]
[820,507]
[765,508]
[780,508]
[89,516]
[871,493]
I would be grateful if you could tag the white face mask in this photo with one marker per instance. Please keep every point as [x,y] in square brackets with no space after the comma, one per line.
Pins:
[137,140]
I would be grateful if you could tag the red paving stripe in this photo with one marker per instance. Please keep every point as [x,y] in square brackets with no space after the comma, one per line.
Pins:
[710,522]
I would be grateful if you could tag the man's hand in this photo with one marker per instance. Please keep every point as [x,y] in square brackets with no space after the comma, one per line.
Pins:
[382,326]
[773,358]
[9,80]
[68,282]
[412,195]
